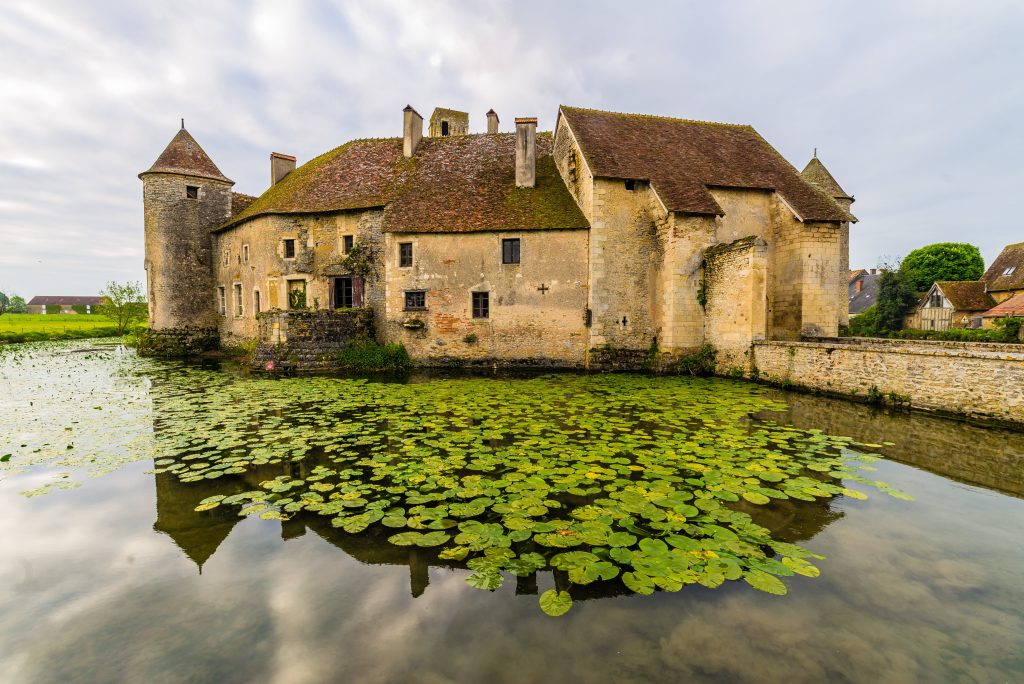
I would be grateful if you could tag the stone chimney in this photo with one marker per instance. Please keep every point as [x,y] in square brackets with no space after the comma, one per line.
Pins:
[526,152]
[412,130]
[280,166]
[492,121]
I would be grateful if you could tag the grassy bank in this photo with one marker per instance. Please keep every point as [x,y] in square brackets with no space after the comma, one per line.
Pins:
[40,327]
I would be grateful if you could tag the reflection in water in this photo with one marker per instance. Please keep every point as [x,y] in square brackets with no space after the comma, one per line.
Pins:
[986,456]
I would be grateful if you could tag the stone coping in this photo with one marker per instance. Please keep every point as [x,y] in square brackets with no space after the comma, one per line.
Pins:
[918,347]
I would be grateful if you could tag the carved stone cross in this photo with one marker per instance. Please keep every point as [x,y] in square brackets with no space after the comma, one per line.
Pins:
[543,288]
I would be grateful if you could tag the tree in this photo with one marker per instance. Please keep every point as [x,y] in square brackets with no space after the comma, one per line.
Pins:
[896,298]
[123,303]
[942,261]
[4,303]
[17,305]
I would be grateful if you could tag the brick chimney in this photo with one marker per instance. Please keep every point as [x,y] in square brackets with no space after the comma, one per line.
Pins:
[526,152]
[492,121]
[280,166]
[412,130]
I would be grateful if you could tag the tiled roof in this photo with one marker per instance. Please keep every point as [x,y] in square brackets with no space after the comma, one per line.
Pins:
[683,158]
[868,295]
[68,301]
[1012,256]
[184,155]
[853,275]
[240,201]
[468,183]
[816,174]
[1014,306]
[453,184]
[966,295]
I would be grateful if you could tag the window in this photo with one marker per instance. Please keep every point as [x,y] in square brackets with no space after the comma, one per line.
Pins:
[481,305]
[1009,271]
[296,294]
[222,304]
[405,254]
[238,299]
[227,255]
[191,192]
[415,300]
[510,251]
[935,301]
[245,254]
[289,249]
[256,308]
[631,184]
[348,242]
[347,292]
[444,128]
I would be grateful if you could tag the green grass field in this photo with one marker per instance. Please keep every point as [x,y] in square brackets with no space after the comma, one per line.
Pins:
[39,327]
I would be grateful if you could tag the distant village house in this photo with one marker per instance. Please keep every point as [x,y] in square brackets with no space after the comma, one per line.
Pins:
[61,304]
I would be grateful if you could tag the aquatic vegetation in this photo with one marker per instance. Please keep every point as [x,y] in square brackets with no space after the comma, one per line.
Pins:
[647,481]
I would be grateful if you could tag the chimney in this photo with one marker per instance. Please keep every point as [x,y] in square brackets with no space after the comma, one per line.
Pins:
[280,166]
[412,130]
[492,121]
[859,286]
[526,152]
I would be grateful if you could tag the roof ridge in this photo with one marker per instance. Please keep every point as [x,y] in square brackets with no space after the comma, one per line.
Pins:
[656,116]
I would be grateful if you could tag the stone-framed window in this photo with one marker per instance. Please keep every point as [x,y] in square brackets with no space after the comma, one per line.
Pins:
[510,251]
[222,304]
[347,243]
[239,304]
[257,305]
[192,192]
[288,247]
[415,300]
[296,294]
[227,256]
[245,254]
[481,302]
[405,254]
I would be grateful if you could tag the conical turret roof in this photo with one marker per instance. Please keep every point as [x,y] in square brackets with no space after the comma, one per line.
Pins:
[816,174]
[183,155]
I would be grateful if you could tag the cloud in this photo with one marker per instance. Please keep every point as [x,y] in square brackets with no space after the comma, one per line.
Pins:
[913,106]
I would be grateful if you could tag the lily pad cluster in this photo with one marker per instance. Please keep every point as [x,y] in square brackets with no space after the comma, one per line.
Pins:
[647,482]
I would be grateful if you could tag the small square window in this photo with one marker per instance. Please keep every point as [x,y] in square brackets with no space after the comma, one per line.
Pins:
[415,300]
[289,249]
[510,251]
[245,254]
[348,242]
[631,184]
[405,254]
[192,192]
[481,305]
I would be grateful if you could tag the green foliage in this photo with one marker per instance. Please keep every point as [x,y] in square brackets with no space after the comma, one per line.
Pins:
[702,362]
[608,478]
[865,324]
[1006,330]
[941,261]
[297,299]
[4,303]
[17,305]
[124,304]
[52,309]
[702,293]
[362,260]
[896,298]
[471,338]
[372,356]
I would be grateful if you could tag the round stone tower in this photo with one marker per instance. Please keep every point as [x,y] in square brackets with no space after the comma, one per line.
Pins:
[184,196]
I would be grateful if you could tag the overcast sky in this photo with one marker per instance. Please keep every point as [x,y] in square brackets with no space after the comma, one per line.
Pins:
[917,108]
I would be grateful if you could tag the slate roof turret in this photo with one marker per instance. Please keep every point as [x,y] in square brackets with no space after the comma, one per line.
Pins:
[184,156]
[816,174]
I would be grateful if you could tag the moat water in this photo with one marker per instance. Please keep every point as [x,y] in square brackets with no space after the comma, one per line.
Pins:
[109,573]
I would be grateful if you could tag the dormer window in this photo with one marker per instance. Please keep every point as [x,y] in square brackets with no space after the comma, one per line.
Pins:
[444,128]
[191,192]
[630,184]
[1009,271]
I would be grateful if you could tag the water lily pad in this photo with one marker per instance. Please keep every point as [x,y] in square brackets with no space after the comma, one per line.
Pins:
[555,603]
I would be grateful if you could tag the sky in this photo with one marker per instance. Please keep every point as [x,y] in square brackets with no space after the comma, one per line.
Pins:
[917,108]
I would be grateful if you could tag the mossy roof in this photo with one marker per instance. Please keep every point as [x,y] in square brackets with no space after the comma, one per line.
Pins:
[240,201]
[183,155]
[451,185]
[1012,256]
[1011,308]
[683,158]
[966,295]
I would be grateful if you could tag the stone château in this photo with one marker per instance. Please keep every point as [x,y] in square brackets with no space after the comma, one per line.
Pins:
[590,246]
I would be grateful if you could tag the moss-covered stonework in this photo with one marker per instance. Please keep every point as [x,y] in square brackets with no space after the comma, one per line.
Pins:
[309,340]
[173,342]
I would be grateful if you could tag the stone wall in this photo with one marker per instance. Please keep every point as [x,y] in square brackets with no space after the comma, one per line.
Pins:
[537,306]
[251,255]
[736,300]
[186,341]
[309,340]
[981,381]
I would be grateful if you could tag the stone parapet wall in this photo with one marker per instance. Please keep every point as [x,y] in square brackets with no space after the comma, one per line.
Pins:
[170,342]
[309,340]
[980,381]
